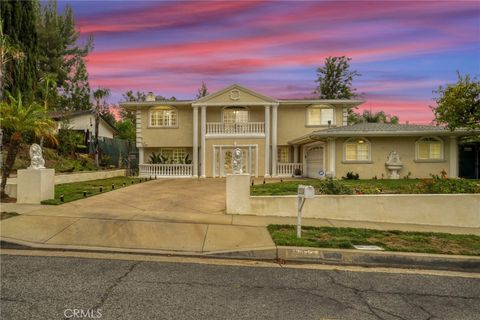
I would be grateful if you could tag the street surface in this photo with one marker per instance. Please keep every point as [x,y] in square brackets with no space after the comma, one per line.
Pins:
[55,287]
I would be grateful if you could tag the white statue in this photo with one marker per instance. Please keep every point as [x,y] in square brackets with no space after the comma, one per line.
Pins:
[36,158]
[237,161]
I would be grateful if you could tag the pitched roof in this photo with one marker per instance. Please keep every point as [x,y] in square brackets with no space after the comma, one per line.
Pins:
[57,115]
[378,130]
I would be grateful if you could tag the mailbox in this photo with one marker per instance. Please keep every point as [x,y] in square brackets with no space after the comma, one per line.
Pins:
[306,192]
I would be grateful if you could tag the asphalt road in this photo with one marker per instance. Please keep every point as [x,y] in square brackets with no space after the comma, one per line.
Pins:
[52,287]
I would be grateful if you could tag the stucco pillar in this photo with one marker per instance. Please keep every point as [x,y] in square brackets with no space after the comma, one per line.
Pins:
[295,154]
[195,142]
[203,144]
[267,141]
[331,157]
[274,140]
[453,158]
[141,153]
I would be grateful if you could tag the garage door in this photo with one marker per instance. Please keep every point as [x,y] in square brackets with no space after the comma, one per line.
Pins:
[314,162]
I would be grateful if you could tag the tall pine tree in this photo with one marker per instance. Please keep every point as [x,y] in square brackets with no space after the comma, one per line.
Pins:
[18,20]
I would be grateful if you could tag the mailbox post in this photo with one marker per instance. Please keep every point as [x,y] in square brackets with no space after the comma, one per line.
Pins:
[304,192]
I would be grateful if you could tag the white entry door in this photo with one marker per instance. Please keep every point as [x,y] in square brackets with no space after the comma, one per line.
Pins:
[315,162]
[223,160]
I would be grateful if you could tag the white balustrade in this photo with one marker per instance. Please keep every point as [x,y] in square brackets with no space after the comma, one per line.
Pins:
[288,169]
[165,170]
[236,128]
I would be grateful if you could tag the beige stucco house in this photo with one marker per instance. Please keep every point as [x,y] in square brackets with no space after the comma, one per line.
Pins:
[282,137]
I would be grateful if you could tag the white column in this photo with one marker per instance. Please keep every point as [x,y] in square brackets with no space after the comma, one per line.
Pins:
[195,142]
[141,156]
[304,160]
[203,145]
[453,159]
[331,157]
[274,140]
[267,141]
[295,154]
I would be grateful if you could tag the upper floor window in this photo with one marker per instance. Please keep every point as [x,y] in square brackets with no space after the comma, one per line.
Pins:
[319,115]
[357,149]
[429,148]
[235,115]
[163,117]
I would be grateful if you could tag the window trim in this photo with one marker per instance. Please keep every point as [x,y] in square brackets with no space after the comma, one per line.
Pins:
[355,139]
[158,108]
[320,106]
[235,107]
[442,150]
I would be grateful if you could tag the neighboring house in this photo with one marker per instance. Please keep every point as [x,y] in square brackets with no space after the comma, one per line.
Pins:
[281,137]
[85,121]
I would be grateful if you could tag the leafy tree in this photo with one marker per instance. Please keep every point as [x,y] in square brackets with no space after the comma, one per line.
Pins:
[20,120]
[100,95]
[372,117]
[126,129]
[335,79]
[202,91]
[18,23]
[458,105]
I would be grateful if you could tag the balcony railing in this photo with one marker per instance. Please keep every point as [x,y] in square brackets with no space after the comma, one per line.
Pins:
[165,170]
[288,169]
[237,128]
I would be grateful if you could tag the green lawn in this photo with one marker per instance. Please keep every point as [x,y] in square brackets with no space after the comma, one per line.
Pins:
[362,186]
[74,191]
[345,238]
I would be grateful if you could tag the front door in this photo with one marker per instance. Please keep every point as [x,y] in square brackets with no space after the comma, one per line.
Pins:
[224,160]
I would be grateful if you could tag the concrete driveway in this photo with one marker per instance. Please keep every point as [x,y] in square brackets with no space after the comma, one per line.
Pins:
[160,215]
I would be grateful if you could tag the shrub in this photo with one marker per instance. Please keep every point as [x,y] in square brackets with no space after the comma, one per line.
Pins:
[330,186]
[351,176]
[441,185]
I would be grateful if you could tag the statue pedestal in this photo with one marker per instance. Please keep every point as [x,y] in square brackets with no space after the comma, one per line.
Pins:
[35,185]
[238,193]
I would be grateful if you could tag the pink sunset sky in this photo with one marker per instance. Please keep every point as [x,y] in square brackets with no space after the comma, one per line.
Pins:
[403,49]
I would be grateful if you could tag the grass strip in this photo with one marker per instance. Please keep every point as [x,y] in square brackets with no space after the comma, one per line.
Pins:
[74,191]
[391,240]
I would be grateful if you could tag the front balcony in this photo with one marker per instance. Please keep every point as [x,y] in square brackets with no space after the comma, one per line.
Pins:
[256,129]
[165,170]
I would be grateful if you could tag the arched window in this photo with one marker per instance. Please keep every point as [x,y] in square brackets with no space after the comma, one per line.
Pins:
[429,148]
[163,116]
[235,115]
[320,115]
[357,149]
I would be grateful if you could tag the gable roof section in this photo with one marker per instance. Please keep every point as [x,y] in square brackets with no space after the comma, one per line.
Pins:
[59,115]
[213,96]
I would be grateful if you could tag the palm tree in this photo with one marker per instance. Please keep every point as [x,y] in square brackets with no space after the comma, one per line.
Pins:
[19,120]
[99,95]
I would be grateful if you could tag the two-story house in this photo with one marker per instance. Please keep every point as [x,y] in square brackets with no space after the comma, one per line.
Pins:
[280,137]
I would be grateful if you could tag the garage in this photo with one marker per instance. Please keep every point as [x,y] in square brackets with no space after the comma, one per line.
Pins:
[315,162]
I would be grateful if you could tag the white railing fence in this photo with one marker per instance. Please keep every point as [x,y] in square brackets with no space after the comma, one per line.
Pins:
[288,169]
[165,170]
[217,128]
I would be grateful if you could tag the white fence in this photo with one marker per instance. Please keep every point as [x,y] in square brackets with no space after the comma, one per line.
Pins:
[238,128]
[165,170]
[288,169]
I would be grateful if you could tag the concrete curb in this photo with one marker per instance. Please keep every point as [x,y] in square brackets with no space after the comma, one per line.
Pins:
[379,258]
[294,255]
